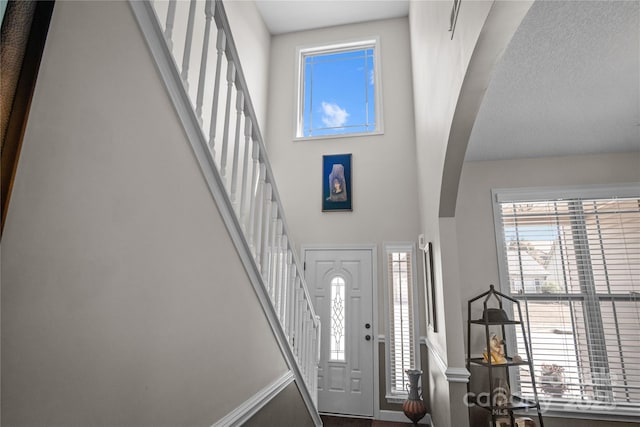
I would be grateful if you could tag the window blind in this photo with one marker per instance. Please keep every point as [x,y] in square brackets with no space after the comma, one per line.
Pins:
[401,325]
[574,264]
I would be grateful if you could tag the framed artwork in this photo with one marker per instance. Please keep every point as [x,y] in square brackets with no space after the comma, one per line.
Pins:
[336,183]
[430,286]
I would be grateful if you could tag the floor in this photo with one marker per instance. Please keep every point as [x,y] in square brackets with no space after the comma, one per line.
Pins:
[358,422]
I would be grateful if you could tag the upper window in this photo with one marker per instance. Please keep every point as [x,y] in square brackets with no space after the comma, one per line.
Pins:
[338,90]
[401,343]
[573,260]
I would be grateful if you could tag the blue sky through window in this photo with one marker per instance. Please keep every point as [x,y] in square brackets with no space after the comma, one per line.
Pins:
[339,90]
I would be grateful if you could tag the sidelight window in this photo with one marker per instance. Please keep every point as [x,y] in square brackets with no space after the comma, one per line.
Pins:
[402,352]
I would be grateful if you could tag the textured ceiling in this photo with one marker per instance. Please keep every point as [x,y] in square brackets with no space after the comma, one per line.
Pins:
[568,83]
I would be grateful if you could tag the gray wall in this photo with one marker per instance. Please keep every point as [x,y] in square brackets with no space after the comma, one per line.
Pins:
[439,65]
[123,299]
[253,40]
[475,226]
[286,409]
[384,174]
[474,219]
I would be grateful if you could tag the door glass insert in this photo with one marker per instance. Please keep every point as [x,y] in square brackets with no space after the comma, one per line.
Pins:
[337,319]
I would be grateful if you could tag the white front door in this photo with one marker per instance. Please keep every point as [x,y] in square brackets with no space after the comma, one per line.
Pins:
[341,287]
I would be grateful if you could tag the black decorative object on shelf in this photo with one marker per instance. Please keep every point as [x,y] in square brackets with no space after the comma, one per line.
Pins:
[502,404]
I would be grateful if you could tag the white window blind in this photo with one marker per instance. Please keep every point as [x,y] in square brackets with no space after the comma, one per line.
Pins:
[574,264]
[401,344]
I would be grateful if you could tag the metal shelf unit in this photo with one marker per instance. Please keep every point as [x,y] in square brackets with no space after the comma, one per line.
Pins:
[515,403]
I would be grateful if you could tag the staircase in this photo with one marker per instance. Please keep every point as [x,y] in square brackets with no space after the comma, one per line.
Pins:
[209,92]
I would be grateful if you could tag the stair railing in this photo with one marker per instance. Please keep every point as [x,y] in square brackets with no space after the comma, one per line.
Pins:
[215,107]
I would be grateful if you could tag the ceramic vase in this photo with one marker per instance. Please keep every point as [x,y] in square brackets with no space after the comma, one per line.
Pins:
[414,408]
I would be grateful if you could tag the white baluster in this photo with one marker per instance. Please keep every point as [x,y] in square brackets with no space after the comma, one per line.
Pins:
[305,338]
[236,150]
[312,350]
[287,296]
[286,283]
[273,273]
[186,56]
[231,78]
[266,218]
[259,203]
[221,44]
[168,27]
[273,259]
[294,313]
[317,349]
[312,347]
[244,191]
[305,358]
[291,306]
[208,16]
[257,177]
[277,274]
[318,339]
[284,277]
[299,325]
[299,321]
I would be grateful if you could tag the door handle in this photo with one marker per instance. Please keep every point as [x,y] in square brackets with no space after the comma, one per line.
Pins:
[367,337]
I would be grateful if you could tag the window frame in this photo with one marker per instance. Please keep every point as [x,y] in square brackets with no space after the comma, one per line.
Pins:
[391,395]
[540,194]
[334,47]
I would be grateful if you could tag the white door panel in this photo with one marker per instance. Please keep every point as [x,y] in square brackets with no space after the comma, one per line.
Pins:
[341,287]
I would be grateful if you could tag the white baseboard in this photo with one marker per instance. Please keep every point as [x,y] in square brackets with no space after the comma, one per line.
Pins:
[251,406]
[400,417]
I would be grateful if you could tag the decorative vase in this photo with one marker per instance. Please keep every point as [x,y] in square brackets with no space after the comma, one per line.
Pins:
[414,408]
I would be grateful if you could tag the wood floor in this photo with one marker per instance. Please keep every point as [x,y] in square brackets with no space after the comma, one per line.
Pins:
[358,422]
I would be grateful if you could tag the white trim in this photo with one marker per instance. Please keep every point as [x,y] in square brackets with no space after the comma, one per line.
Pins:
[389,247]
[374,278]
[396,398]
[374,333]
[452,374]
[436,354]
[530,194]
[400,417]
[585,413]
[457,375]
[338,247]
[147,20]
[251,406]
[337,136]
